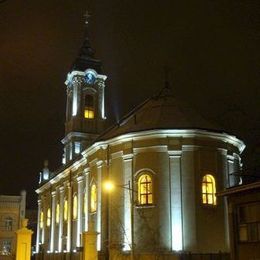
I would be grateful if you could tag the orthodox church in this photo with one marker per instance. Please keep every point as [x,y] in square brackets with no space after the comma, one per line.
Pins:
[164,163]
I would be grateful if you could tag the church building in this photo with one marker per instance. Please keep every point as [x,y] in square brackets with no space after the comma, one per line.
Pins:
[162,163]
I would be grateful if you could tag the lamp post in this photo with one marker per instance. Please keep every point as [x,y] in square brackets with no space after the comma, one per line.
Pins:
[109,187]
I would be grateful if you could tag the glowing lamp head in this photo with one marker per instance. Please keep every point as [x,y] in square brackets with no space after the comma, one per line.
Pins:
[108,186]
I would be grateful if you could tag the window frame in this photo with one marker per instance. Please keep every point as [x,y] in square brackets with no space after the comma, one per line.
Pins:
[9,223]
[205,193]
[89,107]
[149,194]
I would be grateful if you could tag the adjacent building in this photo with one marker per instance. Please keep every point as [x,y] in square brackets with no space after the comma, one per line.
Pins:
[166,163]
[244,220]
[12,210]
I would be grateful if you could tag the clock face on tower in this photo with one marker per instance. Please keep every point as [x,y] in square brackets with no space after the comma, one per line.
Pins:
[90,77]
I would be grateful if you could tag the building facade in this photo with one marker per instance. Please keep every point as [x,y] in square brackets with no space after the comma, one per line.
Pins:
[12,210]
[166,164]
[244,220]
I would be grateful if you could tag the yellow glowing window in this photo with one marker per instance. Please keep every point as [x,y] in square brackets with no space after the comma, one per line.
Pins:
[58,213]
[48,217]
[75,207]
[209,190]
[93,200]
[145,193]
[89,107]
[41,219]
[89,113]
[65,210]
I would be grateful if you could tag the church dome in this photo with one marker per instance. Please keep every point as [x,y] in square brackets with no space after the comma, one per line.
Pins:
[163,111]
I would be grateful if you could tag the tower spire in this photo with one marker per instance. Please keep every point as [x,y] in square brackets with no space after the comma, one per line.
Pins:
[85,58]
[85,114]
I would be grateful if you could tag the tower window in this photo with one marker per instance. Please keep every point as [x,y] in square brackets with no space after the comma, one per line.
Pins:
[145,194]
[93,198]
[75,207]
[209,190]
[89,107]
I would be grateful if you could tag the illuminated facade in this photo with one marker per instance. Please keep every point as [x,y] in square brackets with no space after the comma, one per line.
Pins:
[172,160]
[12,210]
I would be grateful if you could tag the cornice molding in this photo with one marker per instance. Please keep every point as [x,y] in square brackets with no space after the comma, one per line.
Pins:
[175,153]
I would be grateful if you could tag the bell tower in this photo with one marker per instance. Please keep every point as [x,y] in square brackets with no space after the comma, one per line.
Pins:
[85,109]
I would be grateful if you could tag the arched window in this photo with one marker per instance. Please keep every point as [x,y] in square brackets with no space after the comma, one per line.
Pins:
[9,224]
[48,223]
[89,107]
[57,213]
[209,190]
[93,198]
[65,210]
[145,189]
[75,207]
[41,219]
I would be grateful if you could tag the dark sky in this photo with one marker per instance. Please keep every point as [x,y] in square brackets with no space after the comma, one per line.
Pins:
[211,47]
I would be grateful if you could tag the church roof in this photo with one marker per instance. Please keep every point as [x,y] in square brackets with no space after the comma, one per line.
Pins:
[162,111]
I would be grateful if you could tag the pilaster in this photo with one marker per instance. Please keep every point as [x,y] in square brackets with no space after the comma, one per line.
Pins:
[175,199]
[80,203]
[61,190]
[128,178]
[53,213]
[38,227]
[69,217]
[99,165]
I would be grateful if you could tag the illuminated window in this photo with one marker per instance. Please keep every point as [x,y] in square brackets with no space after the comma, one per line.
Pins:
[209,190]
[65,210]
[41,219]
[75,207]
[48,223]
[6,246]
[58,213]
[145,193]
[93,200]
[89,107]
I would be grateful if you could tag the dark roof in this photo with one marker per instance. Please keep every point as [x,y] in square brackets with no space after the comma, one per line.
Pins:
[162,111]
[240,188]
[85,59]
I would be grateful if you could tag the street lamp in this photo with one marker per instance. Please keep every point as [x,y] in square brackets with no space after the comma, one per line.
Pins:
[109,186]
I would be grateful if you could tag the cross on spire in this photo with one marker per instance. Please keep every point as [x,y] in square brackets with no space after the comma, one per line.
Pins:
[87,15]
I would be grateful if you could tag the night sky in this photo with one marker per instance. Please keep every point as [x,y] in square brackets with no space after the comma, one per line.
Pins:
[211,47]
